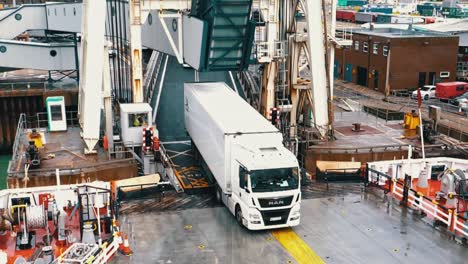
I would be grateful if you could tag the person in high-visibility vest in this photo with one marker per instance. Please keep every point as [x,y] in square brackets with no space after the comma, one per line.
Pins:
[136,122]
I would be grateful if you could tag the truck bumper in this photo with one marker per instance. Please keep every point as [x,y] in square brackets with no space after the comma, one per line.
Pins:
[259,225]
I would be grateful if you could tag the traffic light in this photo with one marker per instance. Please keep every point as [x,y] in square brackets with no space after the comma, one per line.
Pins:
[274,115]
[147,138]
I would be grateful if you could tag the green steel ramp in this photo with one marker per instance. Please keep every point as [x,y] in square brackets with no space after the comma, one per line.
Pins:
[230,33]
[171,125]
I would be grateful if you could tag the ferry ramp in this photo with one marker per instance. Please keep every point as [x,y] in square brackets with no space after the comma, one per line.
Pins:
[170,120]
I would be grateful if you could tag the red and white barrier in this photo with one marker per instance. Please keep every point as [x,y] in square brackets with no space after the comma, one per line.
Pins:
[107,253]
[455,223]
[460,225]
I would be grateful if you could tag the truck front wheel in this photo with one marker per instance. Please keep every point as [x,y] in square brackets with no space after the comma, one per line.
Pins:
[219,197]
[239,215]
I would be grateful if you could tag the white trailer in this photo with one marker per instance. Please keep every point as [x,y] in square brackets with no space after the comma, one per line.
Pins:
[258,178]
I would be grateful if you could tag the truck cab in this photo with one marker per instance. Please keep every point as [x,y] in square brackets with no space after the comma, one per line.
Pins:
[265,184]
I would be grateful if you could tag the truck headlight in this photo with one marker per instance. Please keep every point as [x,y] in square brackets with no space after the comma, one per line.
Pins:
[296,213]
[254,216]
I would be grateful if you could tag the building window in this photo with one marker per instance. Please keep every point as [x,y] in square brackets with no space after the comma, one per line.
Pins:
[375,48]
[56,112]
[444,74]
[365,47]
[356,45]
[385,51]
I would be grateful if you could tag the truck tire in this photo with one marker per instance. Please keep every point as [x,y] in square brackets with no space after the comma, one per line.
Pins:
[426,97]
[239,215]
[219,197]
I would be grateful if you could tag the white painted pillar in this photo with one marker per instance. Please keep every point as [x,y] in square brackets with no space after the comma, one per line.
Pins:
[316,48]
[90,90]
[135,49]
[332,47]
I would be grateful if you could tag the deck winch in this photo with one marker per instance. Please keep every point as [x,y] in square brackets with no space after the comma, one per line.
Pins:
[453,183]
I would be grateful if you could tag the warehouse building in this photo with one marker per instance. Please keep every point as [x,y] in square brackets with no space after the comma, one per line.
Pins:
[388,60]
[456,27]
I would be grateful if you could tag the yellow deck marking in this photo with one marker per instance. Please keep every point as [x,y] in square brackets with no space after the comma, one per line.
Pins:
[298,249]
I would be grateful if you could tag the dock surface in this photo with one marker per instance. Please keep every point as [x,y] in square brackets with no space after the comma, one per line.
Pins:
[342,225]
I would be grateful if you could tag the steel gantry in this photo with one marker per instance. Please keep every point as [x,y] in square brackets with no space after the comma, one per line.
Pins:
[286,46]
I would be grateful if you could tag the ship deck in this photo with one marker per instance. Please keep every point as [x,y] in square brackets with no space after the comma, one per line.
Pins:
[64,150]
[340,225]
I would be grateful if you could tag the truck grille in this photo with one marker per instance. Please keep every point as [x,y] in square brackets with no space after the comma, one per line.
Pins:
[275,217]
[276,202]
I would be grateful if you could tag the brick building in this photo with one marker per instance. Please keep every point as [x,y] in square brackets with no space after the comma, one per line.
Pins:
[401,59]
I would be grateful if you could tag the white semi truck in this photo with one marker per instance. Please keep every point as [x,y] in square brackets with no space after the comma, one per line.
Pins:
[257,177]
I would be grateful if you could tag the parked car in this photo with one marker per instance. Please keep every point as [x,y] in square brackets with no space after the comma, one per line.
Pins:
[428,91]
[460,100]
[450,90]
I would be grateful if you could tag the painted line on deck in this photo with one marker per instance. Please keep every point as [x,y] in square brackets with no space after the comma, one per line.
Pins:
[298,249]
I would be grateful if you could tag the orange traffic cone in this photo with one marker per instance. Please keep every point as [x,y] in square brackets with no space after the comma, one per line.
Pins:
[119,240]
[126,247]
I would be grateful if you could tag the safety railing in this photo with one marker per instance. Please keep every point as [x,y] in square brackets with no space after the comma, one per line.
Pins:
[251,88]
[460,225]
[44,85]
[350,150]
[69,171]
[70,116]
[455,223]
[125,151]
[267,51]
[378,179]
[169,169]
[22,124]
[120,151]
[107,251]
[152,73]
[344,174]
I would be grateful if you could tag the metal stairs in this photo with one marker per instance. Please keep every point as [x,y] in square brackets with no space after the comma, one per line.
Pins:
[230,33]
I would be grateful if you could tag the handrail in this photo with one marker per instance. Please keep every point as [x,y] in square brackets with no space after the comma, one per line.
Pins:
[68,171]
[151,74]
[19,130]
[43,85]
[398,146]
[170,168]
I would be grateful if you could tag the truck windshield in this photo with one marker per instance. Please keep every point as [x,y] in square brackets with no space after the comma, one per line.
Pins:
[274,180]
